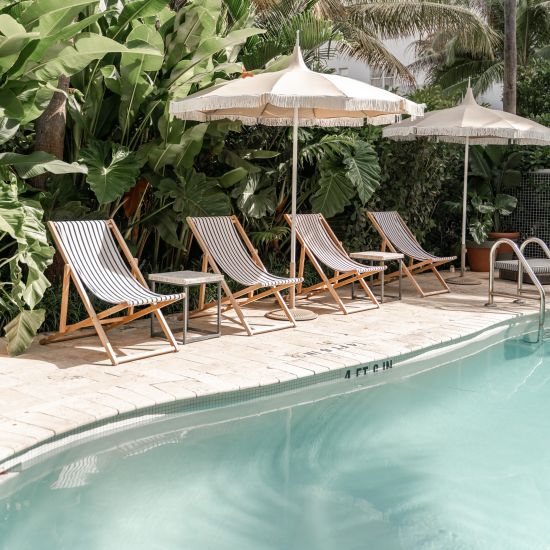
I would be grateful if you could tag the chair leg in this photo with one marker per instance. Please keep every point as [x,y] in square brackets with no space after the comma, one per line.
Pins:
[413,280]
[237,308]
[284,307]
[301,267]
[328,284]
[368,291]
[64,298]
[165,328]
[440,279]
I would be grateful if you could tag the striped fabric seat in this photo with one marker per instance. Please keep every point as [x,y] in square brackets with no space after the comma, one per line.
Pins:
[93,254]
[229,252]
[322,246]
[397,232]
[538,265]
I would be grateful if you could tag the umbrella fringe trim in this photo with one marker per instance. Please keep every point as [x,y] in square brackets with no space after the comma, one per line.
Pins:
[403,106]
[321,122]
[502,133]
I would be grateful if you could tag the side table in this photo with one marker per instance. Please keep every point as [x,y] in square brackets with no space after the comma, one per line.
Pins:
[187,279]
[381,257]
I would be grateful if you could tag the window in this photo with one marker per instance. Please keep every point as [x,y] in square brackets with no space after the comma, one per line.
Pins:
[382,79]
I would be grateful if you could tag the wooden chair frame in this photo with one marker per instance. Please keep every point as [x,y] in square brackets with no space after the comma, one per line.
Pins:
[339,279]
[248,295]
[102,321]
[413,268]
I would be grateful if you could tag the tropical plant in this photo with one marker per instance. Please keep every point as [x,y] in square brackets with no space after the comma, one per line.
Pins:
[534,91]
[41,40]
[450,61]
[24,249]
[357,29]
[494,173]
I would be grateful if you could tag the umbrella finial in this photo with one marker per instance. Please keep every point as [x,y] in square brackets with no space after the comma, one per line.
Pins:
[298,38]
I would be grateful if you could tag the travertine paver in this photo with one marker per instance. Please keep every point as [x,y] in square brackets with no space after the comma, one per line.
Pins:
[56,388]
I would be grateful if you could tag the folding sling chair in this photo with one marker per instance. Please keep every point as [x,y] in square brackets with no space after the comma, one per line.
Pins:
[94,264]
[227,249]
[399,238]
[319,243]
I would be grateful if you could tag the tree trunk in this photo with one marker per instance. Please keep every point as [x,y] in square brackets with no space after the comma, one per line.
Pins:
[510,56]
[50,128]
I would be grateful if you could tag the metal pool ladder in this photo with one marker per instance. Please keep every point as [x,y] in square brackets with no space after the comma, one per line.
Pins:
[523,265]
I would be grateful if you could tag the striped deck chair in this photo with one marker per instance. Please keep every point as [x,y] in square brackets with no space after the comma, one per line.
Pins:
[94,263]
[227,249]
[320,244]
[398,238]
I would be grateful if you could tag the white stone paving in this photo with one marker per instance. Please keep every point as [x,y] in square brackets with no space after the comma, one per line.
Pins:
[53,389]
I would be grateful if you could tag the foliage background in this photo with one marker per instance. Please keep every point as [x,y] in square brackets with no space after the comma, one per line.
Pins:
[125,157]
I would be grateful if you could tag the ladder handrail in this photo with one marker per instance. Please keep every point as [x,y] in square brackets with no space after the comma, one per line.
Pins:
[530,240]
[525,265]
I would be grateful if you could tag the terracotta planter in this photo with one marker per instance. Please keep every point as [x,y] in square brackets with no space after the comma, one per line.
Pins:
[505,249]
[478,256]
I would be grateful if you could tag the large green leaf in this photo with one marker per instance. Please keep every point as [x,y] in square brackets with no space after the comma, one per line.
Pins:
[229,179]
[195,195]
[21,330]
[21,220]
[8,128]
[87,47]
[256,198]
[180,154]
[182,71]
[37,163]
[194,22]
[134,10]
[135,84]
[112,169]
[505,204]
[334,192]
[51,15]
[363,170]
[10,106]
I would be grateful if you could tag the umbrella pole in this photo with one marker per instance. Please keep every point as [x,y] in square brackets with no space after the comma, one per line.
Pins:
[294,200]
[300,314]
[464,206]
[462,279]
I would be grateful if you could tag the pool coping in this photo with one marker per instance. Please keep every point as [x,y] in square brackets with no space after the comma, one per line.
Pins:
[187,406]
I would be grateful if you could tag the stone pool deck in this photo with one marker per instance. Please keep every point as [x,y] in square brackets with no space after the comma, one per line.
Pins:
[54,389]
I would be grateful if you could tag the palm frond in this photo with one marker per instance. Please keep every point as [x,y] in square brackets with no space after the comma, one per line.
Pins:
[368,48]
[399,18]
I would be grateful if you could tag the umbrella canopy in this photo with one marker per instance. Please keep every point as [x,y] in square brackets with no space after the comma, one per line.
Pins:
[470,123]
[270,98]
[470,120]
[295,96]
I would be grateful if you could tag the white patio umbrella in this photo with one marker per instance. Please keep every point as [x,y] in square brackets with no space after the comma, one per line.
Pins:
[470,123]
[295,96]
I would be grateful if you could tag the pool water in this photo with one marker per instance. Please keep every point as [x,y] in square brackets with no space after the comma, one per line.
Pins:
[457,457]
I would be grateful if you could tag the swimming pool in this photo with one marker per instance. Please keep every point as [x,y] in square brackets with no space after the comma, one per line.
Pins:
[456,457]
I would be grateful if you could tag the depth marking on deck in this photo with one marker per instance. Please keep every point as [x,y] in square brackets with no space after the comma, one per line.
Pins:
[327,349]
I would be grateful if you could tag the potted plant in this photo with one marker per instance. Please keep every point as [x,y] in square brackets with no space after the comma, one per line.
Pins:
[494,171]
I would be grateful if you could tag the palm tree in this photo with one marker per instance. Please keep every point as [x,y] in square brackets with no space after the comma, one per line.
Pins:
[450,61]
[510,56]
[357,28]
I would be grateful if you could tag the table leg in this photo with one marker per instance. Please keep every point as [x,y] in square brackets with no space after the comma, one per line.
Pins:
[219,309]
[153,288]
[382,280]
[400,276]
[185,315]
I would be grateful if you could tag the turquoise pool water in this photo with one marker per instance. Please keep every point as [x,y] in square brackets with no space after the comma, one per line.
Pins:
[457,457]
